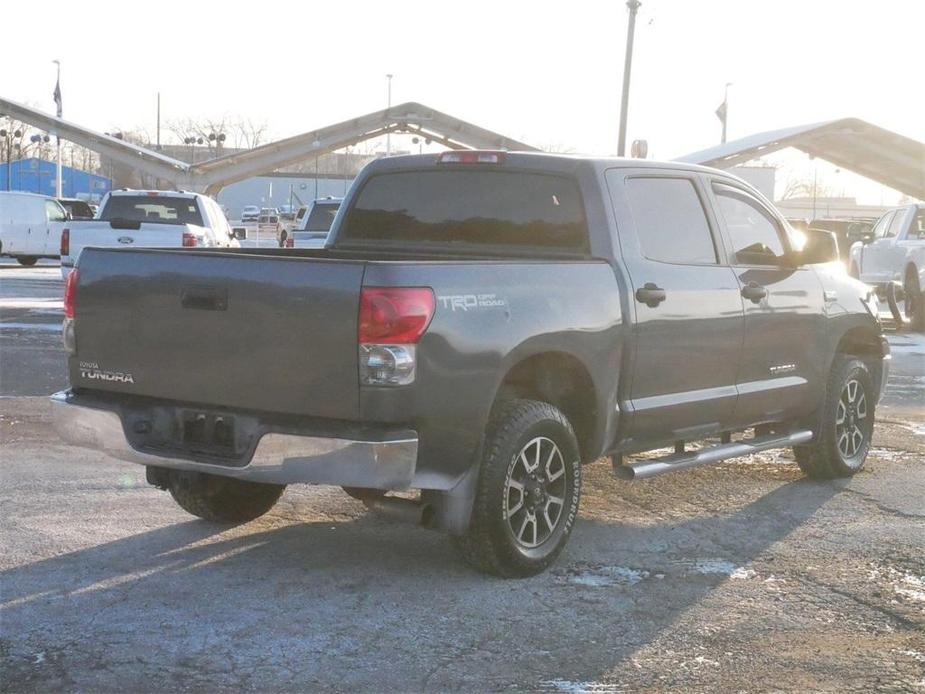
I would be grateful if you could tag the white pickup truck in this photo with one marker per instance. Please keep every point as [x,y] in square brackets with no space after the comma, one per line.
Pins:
[894,258]
[149,219]
[312,224]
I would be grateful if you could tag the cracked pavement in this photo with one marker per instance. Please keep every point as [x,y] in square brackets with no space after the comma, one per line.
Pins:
[742,575]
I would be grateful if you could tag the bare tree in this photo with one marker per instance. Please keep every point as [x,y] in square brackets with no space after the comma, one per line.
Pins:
[248,134]
[806,187]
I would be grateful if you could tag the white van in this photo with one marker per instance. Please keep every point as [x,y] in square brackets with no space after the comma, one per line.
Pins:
[30,226]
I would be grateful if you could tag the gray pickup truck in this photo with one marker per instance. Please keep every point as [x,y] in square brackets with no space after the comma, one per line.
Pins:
[479,325]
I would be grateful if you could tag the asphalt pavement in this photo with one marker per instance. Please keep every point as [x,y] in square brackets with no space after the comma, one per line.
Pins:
[742,576]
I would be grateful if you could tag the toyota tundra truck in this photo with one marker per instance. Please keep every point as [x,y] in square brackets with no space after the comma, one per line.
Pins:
[478,327]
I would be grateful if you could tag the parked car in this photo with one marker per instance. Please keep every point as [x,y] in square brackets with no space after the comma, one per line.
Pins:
[847,232]
[30,226]
[894,255]
[313,225]
[479,325]
[250,213]
[77,208]
[149,219]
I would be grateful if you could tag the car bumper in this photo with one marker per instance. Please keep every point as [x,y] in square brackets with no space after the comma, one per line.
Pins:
[381,462]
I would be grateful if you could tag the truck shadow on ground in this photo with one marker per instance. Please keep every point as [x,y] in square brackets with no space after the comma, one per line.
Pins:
[364,604]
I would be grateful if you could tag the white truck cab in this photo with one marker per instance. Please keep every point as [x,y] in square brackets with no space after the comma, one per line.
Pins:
[30,226]
[149,219]
[895,255]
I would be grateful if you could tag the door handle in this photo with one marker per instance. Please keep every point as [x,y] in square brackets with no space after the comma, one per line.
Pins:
[754,292]
[650,294]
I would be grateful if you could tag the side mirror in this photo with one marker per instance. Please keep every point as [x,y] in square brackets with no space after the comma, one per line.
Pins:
[820,247]
[239,233]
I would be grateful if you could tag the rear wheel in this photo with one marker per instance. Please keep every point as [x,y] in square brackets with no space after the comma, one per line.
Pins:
[222,499]
[528,491]
[846,427]
[27,260]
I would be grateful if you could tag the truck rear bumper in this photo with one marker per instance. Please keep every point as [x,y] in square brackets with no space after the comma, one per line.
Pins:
[386,461]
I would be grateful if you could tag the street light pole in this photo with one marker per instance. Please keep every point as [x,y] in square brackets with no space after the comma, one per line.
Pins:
[58,136]
[633,6]
[388,135]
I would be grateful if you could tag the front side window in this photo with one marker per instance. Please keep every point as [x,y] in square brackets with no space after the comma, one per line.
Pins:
[882,224]
[756,236]
[475,208]
[896,225]
[670,221]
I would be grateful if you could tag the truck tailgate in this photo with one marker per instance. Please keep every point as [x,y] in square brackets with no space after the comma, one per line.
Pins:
[242,331]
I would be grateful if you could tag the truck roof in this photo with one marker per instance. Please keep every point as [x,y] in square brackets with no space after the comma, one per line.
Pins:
[540,159]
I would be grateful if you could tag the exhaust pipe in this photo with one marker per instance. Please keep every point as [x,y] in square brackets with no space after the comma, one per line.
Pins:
[398,509]
[683,461]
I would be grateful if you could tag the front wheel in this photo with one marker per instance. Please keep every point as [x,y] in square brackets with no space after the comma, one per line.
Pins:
[222,499]
[27,260]
[914,303]
[528,491]
[844,433]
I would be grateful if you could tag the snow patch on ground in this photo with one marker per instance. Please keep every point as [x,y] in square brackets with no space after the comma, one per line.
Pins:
[903,583]
[603,576]
[580,687]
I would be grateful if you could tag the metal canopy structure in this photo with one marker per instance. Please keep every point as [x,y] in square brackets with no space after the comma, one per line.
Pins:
[881,155]
[212,175]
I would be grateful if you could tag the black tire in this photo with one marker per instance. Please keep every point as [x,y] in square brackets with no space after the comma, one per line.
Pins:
[491,543]
[831,455]
[27,260]
[222,499]
[915,303]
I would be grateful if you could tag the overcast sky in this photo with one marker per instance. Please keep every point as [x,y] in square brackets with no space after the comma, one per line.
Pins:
[548,73]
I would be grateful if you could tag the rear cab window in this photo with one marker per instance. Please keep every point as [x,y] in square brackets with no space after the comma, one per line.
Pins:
[322,216]
[449,208]
[157,209]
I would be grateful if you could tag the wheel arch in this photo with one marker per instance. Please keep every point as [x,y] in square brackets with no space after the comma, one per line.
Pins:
[562,380]
[863,342]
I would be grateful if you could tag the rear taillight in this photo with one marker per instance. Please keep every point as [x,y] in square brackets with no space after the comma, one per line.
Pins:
[471,157]
[190,239]
[65,242]
[394,315]
[391,322]
[70,293]
[290,242]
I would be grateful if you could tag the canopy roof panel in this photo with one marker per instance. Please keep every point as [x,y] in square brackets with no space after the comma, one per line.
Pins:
[881,155]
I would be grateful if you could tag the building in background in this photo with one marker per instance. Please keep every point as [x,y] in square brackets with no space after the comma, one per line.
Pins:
[38,176]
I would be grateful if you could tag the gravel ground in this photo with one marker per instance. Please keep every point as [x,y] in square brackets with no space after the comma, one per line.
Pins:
[741,576]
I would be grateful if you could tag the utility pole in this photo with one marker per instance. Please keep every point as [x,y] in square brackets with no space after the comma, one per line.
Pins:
[57,136]
[388,135]
[633,6]
[158,121]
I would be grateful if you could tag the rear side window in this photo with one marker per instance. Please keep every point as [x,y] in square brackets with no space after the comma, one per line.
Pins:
[484,208]
[670,221]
